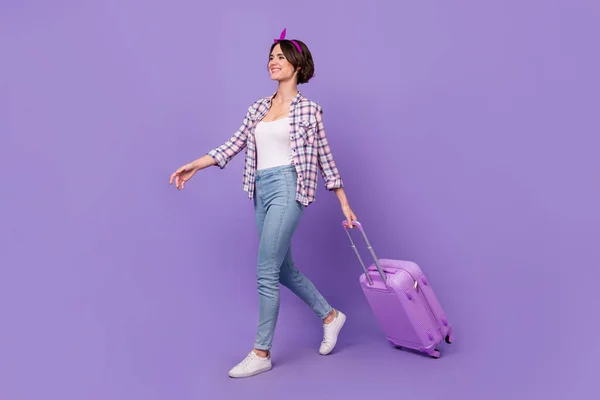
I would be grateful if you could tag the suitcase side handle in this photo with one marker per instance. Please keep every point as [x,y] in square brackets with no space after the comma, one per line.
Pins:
[369,247]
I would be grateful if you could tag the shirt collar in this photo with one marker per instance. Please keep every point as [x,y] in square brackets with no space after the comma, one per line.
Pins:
[294,101]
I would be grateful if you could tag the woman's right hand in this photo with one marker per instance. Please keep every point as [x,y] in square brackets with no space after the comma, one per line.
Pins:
[183,174]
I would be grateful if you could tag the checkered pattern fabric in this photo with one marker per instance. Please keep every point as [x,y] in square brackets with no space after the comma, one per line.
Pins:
[310,148]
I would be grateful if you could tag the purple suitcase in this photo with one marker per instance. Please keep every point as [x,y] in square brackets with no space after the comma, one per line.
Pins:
[403,302]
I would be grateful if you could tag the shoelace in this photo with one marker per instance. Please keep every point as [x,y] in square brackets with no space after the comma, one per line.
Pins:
[326,328]
[247,360]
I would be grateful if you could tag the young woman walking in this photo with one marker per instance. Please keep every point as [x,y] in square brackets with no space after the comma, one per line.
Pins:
[286,150]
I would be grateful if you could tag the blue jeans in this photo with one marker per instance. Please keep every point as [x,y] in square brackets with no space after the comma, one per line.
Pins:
[277,216]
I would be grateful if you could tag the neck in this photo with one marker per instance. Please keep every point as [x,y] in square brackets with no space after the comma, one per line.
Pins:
[286,91]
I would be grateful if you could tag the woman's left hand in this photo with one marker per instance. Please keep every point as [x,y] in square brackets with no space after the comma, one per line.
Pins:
[350,217]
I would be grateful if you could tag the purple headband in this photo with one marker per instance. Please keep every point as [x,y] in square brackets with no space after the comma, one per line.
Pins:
[282,37]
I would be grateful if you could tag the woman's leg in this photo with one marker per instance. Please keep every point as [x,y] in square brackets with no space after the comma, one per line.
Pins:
[277,216]
[278,226]
[302,287]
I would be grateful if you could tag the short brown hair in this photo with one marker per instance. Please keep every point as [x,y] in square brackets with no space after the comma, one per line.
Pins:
[303,60]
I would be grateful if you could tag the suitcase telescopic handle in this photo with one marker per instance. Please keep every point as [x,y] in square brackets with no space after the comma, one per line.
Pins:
[369,247]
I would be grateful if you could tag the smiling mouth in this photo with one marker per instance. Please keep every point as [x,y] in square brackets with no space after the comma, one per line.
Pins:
[275,70]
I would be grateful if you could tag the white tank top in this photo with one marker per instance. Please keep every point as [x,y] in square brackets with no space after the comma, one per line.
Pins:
[273,143]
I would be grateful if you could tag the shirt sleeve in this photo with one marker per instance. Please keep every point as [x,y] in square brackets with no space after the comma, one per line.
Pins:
[232,146]
[327,166]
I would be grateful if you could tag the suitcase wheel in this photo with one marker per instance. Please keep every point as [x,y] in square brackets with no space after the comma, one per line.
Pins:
[436,354]
[449,339]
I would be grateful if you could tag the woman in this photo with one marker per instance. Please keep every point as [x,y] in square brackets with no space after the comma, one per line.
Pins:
[286,149]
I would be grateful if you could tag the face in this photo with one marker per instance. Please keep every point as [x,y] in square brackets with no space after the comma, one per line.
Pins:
[279,67]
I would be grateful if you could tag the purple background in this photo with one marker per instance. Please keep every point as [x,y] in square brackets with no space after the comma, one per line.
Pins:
[480,120]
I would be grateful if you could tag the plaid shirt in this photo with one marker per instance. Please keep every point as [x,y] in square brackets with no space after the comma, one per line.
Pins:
[310,149]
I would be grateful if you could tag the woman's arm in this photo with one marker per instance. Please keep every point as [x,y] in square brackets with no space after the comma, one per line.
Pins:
[348,213]
[331,175]
[219,156]
[203,162]
[341,195]
[327,166]
[236,143]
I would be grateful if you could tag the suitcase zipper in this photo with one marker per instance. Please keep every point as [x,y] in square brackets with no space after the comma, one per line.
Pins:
[429,309]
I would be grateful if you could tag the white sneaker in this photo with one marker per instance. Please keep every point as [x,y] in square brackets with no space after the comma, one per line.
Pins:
[331,331]
[251,365]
